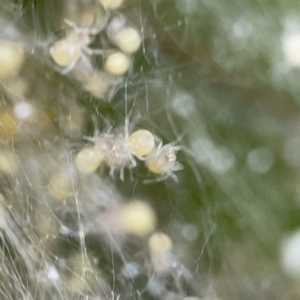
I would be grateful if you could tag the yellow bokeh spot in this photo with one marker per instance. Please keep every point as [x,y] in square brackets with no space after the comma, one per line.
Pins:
[138,218]
[88,160]
[159,243]
[117,63]
[12,56]
[64,53]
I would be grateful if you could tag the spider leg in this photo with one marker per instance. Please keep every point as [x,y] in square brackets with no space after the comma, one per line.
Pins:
[87,62]
[122,174]
[176,148]
[158,179]
[132,161]
[112,173]
[159,146]
[174,177]
[177,167]
[90,51]
[70,23]
[90,139]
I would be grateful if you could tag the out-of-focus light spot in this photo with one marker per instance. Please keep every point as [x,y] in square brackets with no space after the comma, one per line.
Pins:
[159,243]
[52,273]
[219,160]
[9,163]
[202,148]
[23,110]
[183,104]
[290,42]
[137,218]
[290,151]
[97,83]
[223,160]
[155,287]
[12,57]
[190,232]
[59,186]
[242,29]
[64,230]
[130,270]
[260,160]
[291,48]
[290,255]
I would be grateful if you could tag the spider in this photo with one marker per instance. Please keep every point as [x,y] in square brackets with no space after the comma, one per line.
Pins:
[163,161]
[116,151]
[66,52]
[119,150]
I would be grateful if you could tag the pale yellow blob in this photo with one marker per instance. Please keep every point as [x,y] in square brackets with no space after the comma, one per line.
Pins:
[9,163]
[59,186]
[128,40]
[88,160]
[16,86]
[12,56]
[47,226]
[77,284]
[79,262]
[111,4]
[142,142]
[97,83]
[138,218]
[83,275]
[8,125]
[93,16]
[159,243]
[65,53]
[117,63]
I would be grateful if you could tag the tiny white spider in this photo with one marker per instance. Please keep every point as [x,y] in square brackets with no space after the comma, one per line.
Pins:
[119,150]
[163,161]
[67,51]
[116,151]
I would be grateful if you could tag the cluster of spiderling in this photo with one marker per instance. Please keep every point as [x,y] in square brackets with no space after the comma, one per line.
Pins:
[74,54]
[55,218]
[119,150]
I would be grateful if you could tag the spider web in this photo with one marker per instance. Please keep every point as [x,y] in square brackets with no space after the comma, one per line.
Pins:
[205,78]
